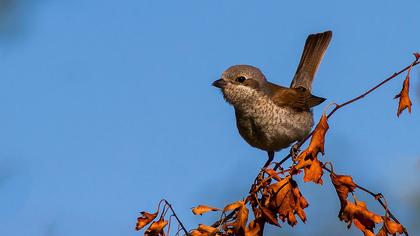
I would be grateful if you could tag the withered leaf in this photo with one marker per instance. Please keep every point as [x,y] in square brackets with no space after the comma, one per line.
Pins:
[253,229]
[390,227]
[312,168]
[234,206]
[273,174]
[145,219]
[405,101]
[201,209]
[360,215]
[156,228]
[241,219]
[317,140]
[286,200]
[208,230]
[343,184]
[366,231]
[269,216]
[195,232]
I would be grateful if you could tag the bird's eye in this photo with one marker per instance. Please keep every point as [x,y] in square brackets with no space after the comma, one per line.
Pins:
[240,79]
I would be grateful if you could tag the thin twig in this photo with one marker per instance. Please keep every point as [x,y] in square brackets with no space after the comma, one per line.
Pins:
[176,217]
[377,197]
[338,106]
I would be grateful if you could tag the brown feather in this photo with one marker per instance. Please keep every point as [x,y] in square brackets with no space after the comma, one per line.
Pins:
[314,50]
[298,98]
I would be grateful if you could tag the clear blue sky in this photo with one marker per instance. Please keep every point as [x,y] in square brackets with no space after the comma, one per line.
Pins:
[106,107]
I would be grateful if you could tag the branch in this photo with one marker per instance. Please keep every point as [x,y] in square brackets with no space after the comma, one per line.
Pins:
[176,217]
[377,197]
[338,106]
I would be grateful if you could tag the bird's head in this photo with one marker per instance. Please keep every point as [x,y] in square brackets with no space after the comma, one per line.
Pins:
[240,83]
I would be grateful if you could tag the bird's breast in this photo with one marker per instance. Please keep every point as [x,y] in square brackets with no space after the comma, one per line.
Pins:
[267,126]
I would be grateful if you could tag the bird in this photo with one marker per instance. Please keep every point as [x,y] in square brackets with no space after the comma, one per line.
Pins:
[268,116]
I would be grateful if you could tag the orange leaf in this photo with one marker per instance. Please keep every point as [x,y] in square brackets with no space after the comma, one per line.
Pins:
[253,229]
[209,230]
[366,231]
[343,184]
[317,140]
[234,206]
[241,219]
[312,168]
[156,228]
[286,200]
[273,174]
[200,209]
[145,219]
[360,215]
[405,101]
[390,227]
[269,216]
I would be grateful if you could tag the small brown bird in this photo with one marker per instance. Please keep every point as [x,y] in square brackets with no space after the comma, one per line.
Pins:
[272,117]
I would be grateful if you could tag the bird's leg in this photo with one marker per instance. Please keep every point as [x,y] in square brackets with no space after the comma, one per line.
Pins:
[270,158]
[294,151]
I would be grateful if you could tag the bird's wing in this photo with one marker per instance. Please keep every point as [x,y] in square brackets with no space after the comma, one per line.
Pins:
[314,50]
[297,98]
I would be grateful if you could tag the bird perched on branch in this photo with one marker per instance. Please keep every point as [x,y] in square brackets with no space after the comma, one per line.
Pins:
[269,116]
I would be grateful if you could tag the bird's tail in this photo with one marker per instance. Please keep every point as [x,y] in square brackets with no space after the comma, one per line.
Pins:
[315,47]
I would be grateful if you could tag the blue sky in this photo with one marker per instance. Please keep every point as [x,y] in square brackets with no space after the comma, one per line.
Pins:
[105,109]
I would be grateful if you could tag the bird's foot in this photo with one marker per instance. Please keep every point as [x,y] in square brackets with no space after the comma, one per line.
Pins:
[294,151]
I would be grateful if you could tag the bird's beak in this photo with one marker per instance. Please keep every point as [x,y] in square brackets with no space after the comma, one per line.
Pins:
[220,83]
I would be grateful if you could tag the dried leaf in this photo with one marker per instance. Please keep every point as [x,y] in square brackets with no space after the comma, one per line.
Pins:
[200,209]
[286,200]
[366,231]
[405,101]
[343,184]
[253,229]
[317,140]
[241,219]
[195,232]
[269,216]
[209,230]
[156,228]
[145,219]
[312,168]
[360,215]
[390,227]
[273,174]
[234,206]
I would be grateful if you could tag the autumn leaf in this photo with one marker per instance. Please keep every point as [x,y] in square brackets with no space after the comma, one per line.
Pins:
[241,219]
[234,206]
[273,174]
[286,200]
[156,228]
[390,227]
[312,169]
[360,216]
[343,184]
[209,230]
[317,140]
[269,216]
[253,229]
[366,231]
[201,209]
[405,101]
[145,219]
[195,232]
